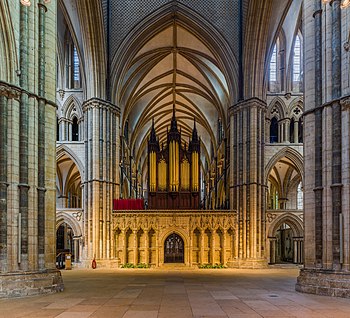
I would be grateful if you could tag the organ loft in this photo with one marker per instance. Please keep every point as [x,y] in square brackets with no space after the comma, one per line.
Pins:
[174,170]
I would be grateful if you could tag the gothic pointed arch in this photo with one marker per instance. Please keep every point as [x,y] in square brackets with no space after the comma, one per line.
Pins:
[261,23]
[293,155]
[158,21]
[295,109]
[8,51]
[172,58]
[72,107]
[62,217]
[69,29]
[63,150]
[90,13]
[277,109]
[293,221]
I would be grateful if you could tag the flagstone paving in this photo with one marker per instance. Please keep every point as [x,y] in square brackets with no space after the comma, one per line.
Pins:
[169,293]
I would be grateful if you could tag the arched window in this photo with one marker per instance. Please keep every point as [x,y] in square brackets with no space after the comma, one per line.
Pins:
[274,130]
[76,68]
[273,65]
[299,197]
[73,78]
[75,130]
[57,130]
[297,60]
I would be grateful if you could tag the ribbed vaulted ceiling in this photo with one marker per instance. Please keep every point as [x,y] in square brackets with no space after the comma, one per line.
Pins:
[173,68]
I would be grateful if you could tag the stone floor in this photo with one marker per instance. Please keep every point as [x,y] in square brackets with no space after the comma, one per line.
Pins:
[148,293]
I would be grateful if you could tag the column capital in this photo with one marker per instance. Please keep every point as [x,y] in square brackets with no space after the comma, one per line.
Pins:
[9,91]
[253,102]
[102,104]
[345,103]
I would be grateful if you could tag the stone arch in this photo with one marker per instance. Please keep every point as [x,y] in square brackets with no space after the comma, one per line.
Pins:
[132,76]
[90,13]
[259,26]
[296,104]
[277,108]
[62,217]
[289,153]
[177,230]
[188,18]
[292,220]
[72,107]
[64,150]
[8,51]
[285,246]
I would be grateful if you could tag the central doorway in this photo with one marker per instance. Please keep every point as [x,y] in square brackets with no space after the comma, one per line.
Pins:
[174,249]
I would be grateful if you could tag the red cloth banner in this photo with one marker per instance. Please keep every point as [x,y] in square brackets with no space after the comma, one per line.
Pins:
[128,204]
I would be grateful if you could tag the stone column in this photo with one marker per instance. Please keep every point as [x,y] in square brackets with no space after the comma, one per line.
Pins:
[336,185]
[326,150]
[23,141]
[213,233]
[190,249]
[247,180]
[124,252]
[157,249]
[3,180]
[27,157]
[272,250]
[135,247]
[202,247]
[267,129]
[223,248]
[146,247]
[286,123]
[101,182]
[76,249]
[296,132]
[295,251]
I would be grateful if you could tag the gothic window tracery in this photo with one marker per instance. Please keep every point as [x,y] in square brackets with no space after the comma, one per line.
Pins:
[273,65]
[73,76]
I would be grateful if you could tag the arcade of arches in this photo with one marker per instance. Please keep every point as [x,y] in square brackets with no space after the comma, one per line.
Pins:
[201,133]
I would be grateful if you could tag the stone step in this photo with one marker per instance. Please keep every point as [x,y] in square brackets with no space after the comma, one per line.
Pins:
[176,266]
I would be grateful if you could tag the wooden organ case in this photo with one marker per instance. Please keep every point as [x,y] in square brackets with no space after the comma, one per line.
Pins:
[174,171]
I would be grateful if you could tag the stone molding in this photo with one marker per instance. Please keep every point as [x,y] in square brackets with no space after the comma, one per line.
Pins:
[9,91]
[248,103]
[14,92]
[344,102]
[162,219]
[100,104]
[30,283]
[324,282]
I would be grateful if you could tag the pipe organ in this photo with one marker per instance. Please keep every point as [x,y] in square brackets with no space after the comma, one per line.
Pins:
[173,171]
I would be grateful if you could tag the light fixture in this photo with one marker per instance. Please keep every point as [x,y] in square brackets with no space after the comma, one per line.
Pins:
[344,4]
[27,2]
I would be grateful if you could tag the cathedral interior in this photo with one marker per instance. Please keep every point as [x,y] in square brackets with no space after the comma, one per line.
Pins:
[200,133]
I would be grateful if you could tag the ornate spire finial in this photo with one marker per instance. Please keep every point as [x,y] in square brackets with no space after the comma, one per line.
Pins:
[173,126]
[153,137]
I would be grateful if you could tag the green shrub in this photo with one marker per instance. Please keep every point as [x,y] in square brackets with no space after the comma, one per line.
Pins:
[130,265]
[215,266]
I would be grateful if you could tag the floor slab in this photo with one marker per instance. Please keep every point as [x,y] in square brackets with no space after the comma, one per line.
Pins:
[133,293]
